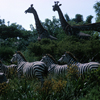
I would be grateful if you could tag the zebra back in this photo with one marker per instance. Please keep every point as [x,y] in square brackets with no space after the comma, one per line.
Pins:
[7,68]
[52,66]
[34,69]
[82,68]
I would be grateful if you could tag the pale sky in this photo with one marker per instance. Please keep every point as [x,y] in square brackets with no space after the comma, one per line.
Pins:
[13,10]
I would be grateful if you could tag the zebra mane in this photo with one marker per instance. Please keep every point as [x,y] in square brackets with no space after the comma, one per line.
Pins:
[21,55]
[51,57]
[71,55]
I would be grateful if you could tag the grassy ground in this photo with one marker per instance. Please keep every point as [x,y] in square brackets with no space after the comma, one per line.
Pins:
[62,87]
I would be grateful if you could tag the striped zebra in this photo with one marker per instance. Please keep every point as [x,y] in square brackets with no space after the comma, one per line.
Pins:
[29,69]
[69,58]
[7,68]
[52,66]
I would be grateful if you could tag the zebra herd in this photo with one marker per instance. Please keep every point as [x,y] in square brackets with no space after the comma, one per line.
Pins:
[47,65]
[69,59]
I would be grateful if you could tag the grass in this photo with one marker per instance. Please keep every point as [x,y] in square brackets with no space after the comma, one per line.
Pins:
[68,87]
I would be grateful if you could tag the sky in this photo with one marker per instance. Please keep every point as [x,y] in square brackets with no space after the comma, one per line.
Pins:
[14,10]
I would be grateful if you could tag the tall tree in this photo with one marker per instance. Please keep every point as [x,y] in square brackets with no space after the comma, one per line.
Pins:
[89,19]
[78,18]
[97,10]
[67,17]
[2,21]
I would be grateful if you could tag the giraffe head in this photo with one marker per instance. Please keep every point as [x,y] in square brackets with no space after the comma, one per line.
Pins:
[30,9]
[56,6]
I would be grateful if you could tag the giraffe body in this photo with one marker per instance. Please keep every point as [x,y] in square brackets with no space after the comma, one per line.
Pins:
[75,30]
[42,33]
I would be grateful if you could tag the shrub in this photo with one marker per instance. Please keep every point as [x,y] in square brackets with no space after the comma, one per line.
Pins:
[35,48]
[45,46]
[4,88]
[6,53]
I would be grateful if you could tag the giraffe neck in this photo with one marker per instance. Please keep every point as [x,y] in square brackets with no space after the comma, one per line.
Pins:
[39,27]
[62,19]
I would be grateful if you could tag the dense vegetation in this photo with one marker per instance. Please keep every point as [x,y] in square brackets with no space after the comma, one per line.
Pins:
[68,87]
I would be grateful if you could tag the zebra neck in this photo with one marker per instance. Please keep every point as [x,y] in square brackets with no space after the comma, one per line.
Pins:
[20,60]
[50,62]
[21,64]
[51,68]
[71,62]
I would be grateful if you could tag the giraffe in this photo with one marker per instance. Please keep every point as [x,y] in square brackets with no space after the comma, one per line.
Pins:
[74,30]
[42,33]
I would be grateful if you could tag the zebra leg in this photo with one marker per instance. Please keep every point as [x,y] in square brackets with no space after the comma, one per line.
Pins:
[40,77]
[19,73]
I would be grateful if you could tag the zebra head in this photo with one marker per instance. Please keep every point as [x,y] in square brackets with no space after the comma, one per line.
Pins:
[14,58]
[18,57]
[48,60]
[67,58]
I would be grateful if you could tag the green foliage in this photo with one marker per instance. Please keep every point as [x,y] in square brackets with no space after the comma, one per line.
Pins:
[43,47]
[78,18]
[22,44]
[6,53]
[35,48]
[20,89]
[89,18]
[9,32]
[67,17]
[93,95]
[97,8]
[60,88]
[63,87]
[82,49]
[2,21]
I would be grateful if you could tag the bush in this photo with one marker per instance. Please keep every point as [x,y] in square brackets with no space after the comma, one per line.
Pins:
[35,48]
[6,53]
[45,46]
[83,50]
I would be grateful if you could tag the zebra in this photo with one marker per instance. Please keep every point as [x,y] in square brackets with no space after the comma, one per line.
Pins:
[70,59]
[53,67]
[7,68]
[29,69]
